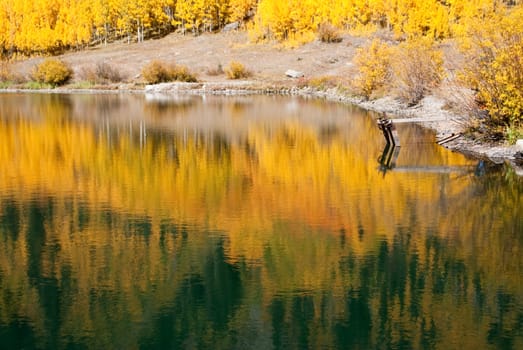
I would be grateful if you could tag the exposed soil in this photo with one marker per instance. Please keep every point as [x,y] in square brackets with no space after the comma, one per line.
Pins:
[206,52]
[268,63]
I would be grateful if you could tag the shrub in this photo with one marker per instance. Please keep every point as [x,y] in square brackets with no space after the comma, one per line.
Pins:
[5,72]
[328,33]
[88,74]
[159,72]
[373,65]
[218,70]
[495,71]
[323,82]
[53,72]
[101,73]
[106,72]
[182,73]
[417,68]
[8,76]
[155,72]
[237,70]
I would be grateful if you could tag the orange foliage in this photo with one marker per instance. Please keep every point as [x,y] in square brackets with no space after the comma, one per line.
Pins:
[331,203]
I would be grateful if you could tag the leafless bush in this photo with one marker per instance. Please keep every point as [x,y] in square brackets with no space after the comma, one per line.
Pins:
[218,70]
[9,75]
[328,33]
[417,68]
[102,73]
[5,72]
[107,72]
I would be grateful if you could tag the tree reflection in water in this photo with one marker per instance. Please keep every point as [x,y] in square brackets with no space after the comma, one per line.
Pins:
[247,225]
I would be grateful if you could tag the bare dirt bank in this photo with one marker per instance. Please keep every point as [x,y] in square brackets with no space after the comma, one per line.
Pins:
[268,63]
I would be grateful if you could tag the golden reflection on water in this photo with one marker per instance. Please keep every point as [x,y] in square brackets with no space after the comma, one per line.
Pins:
[119,203]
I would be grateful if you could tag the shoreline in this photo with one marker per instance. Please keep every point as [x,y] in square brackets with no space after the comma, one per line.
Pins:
[429,113]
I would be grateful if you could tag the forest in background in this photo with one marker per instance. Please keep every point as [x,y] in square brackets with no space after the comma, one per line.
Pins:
[40,26]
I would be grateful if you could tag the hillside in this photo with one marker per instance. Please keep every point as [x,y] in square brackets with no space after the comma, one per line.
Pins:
[206,52]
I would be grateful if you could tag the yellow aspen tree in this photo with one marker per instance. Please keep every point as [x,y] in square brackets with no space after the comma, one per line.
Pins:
[339,12]
[378,11]
[464,13]
[75,22]
[221,10]
[123,10]
[28,29]
[161,12]
[324,11]
[47,15]
[5,23]
[169,9]
[362,12]
[344,12]
[303,16]
[398,14]
[15,19]
[214,14]
[116,13]
[274,16]
[102,21]
[239,10]
[181,12]
[157,13]
[427,18]
[139,17]
[441,23]
[190,14]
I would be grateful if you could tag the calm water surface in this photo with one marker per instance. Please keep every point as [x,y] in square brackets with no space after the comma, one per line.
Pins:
[129,222]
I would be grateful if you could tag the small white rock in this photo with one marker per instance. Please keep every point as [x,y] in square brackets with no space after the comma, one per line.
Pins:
[519,144]
[294,73]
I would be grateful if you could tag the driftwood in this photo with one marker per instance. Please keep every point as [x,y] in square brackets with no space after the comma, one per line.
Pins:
[448,139]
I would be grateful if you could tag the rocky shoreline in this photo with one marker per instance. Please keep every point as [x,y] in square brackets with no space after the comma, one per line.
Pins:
[429,113]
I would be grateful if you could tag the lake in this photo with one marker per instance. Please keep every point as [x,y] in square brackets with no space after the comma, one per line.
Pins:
[248,222]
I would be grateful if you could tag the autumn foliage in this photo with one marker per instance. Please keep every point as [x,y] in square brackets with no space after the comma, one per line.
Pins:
[48,26]
[160,72]
[409,70]
[29,26]
[495,69]
[373,64]
[236,70]
[53,72]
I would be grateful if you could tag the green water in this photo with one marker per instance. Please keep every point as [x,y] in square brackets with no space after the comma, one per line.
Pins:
[264,222]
